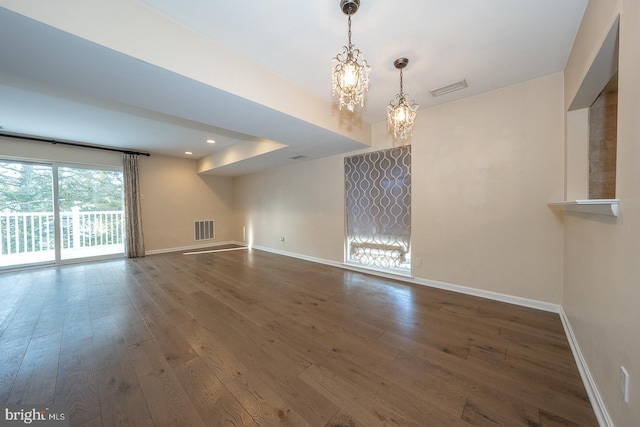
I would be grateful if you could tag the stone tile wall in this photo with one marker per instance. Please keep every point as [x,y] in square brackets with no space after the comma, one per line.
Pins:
[603,117]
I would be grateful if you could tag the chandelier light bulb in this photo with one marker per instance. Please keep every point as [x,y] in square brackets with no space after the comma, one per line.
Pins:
[400,113]
[349,76]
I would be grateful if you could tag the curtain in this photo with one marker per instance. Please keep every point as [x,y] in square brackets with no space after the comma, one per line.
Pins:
[133,218]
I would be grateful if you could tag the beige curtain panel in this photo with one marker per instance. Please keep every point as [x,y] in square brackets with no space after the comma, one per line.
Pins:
[133,218]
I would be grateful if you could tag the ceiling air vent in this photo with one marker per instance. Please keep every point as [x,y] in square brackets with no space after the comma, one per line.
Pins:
[449,88]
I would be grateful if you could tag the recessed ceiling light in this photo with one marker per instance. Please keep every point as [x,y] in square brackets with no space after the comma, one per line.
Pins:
[211,141]
[188,152]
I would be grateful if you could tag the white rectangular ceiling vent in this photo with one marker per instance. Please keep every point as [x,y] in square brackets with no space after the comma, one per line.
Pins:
[449,88]
[204,230]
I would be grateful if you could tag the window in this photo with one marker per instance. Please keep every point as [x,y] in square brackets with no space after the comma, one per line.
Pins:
[378,209]
[84,217]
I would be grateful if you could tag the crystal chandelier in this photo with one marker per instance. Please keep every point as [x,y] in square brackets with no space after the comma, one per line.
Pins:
[350,73]
[401,114]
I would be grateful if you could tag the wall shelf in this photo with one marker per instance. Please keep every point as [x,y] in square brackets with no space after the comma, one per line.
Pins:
[590,206]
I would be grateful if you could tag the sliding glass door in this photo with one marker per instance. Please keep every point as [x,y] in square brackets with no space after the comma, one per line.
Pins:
[91,208]
[27,231]
[52,213]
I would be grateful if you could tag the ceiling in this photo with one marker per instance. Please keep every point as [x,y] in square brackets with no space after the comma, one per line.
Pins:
[62,78]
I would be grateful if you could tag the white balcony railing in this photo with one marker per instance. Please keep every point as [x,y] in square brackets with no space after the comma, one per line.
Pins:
[32,233]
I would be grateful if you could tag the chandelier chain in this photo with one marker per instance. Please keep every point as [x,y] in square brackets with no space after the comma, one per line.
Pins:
[349,34]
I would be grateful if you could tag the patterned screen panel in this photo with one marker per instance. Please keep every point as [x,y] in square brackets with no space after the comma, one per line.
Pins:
[378,209]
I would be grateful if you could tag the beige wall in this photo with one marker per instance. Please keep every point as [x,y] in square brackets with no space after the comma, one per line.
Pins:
[483,170]
[304,203]
[173,196]
[601,270]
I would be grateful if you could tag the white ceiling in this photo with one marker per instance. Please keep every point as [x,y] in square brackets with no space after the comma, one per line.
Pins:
[490,43]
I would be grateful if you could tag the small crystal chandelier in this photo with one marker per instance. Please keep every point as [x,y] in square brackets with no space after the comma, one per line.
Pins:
[350,73]
[401,114]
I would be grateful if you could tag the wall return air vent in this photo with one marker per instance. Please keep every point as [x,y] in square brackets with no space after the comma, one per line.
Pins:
[204,230]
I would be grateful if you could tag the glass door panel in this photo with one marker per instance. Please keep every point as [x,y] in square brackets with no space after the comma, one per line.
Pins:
[26,214]
[91,204]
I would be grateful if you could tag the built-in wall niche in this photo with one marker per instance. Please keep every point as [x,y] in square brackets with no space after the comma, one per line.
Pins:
[603,138]
[591,139]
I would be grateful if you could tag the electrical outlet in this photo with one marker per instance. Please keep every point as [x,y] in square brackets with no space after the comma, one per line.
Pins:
[282,239]
[624,384]
[417,262]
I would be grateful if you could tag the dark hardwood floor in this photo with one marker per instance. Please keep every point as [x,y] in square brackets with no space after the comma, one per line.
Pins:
[248,338]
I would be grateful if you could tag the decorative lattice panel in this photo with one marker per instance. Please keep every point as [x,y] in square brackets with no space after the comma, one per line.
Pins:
[378,208]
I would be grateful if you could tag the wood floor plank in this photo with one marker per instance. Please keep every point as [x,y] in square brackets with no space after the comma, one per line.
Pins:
[15,288]
[94,422]
[547,419]
[51,320]
[122,402]
[212,351]
[25,319]
[77,384]
[214,402]
[167,401]
[357,408]
[36,379]
[265,406]
[11,356]
[173,346]
[270,359]
[251,344]
[121,399]
[248,338]
[77,323]
[163,300]
[378,383]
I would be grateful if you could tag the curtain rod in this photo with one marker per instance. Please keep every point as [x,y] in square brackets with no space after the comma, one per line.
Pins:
[73,144]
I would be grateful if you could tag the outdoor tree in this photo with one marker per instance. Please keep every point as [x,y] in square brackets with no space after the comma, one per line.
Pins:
[25,188]
[29,188]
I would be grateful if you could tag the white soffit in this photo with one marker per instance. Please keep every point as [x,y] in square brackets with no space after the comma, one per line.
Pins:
[604,66]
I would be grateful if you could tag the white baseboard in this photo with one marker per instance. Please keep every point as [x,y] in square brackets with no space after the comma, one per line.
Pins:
[525,302]
[299,256]
[192,247]
[587,379]
[496,296]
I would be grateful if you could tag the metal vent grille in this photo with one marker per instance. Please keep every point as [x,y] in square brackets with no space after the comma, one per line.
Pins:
[204,230]
[449,88]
